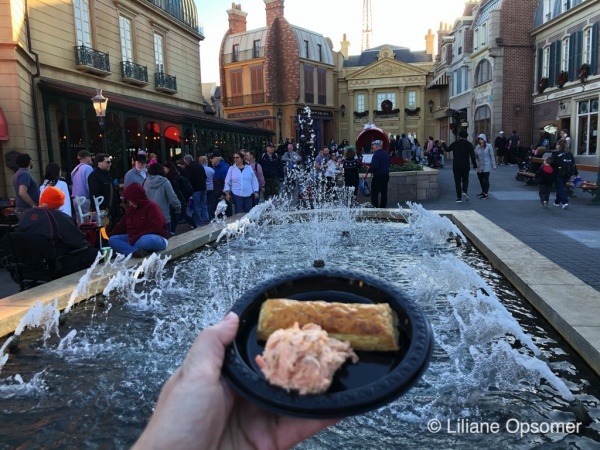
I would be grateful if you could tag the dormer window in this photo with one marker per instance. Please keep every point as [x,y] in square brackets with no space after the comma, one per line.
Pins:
[235,53]
[256,49]
[306,54]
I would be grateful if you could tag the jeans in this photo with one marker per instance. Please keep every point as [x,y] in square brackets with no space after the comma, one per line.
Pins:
[379,185]
[151,242]
[561,192]
[242,204]
[200,209]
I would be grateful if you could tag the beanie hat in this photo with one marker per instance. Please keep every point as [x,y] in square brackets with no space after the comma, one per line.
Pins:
[52,197]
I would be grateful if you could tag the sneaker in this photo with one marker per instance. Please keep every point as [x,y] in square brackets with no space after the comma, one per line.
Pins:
[465,197]
[481,194]
[458,200]
[484,197]
[565,206]
[545,204]
[140,253]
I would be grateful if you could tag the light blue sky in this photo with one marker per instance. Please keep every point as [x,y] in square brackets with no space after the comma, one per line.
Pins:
[393,22]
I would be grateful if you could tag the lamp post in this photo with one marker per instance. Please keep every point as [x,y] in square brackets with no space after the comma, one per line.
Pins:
[279,117]
[343,110]
[100,102]
[430,106]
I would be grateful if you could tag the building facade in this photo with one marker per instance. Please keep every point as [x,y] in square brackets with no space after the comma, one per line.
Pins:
[567,83]
[268,75]
[385,86]
[143,54]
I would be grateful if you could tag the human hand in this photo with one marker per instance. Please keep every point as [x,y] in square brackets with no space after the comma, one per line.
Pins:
[198,409]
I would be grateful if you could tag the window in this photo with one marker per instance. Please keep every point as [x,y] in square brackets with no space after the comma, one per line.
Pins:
[235,53]
[483,120]
[255,49]
[459,42]
[546,62]
[309,84]
[322,86]
[412,99]
[483,72]
[320,51]
[235,86]
[564,59]
[587,127]
[306,53]
[360,103]
[483,35]
[82,22]
[566,4]
[158,52]
[126,47]
[586,50]
[476,39]
[257,85]
[381,96]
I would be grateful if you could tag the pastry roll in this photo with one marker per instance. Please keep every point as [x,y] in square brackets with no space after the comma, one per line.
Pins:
[371,327]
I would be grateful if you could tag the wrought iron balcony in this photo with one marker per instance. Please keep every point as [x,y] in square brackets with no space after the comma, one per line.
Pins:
[92,61]
[241,100]
[165,83]
[134,73]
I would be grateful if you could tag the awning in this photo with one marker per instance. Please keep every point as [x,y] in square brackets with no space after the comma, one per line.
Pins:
[3,126]
[439,81]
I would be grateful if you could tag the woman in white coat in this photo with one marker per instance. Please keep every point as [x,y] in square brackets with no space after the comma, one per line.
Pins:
[484,153]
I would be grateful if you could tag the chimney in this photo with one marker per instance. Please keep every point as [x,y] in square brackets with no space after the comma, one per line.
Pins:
[429,37]
[344,47]
[274,10]
[237,18]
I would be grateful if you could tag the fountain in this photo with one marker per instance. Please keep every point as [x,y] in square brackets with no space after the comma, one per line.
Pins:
[93,381]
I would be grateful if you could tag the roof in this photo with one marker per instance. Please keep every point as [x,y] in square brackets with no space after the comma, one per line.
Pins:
[402,54]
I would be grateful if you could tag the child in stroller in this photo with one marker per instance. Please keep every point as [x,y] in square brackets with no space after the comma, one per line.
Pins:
[434,159]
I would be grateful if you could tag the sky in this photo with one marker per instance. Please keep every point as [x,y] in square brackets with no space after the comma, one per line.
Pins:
[393,22]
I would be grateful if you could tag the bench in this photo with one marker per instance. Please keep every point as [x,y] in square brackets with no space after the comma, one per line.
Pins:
[529,177]
[587,186]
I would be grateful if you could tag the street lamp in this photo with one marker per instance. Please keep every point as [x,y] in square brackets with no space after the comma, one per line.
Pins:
[100,102]
[279,117]
[343,110]
[430,106]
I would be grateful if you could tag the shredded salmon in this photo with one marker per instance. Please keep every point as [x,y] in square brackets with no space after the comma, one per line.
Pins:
[304,359]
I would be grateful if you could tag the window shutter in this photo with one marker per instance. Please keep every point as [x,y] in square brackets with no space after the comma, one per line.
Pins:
[553,63]
[594,55]
[540,60]
[578,51]
[572,59]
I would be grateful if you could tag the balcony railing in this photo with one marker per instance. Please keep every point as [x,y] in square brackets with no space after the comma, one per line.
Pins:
[92,61]
[241,100]
[165,83]
[134,73]
[244,55]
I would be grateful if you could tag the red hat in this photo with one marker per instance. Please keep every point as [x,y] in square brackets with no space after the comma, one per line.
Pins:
[52,197]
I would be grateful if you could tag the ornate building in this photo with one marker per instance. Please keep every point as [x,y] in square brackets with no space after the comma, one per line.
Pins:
[142,53]
[385,86]
[268,75]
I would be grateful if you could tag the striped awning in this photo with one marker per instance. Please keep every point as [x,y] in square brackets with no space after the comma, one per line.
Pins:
[439,81]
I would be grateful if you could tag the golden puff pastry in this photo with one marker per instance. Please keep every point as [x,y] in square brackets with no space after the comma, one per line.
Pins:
[371,327]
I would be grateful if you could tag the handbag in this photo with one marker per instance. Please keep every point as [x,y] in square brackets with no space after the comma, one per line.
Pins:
[364,188]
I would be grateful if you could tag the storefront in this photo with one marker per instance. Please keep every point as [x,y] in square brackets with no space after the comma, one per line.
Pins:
[132,125]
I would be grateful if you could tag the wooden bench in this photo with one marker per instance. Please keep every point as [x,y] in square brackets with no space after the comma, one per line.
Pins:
[524,175]
[586,186]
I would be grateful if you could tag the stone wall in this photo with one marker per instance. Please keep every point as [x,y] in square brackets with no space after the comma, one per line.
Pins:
[414,186]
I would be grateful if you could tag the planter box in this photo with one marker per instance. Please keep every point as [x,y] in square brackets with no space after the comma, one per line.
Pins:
[414,186]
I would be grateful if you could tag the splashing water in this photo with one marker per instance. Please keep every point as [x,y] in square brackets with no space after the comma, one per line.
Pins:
[484,367]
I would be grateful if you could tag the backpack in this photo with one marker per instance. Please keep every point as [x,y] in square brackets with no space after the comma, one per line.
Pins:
[566,166]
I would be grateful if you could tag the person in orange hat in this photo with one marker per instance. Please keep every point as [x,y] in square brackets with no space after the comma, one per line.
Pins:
[60,229]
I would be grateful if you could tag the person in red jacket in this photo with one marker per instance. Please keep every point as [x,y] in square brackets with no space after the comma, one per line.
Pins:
[142,229]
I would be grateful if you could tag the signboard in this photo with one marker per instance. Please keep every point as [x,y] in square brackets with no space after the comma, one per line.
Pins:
[314,113]
[250,114]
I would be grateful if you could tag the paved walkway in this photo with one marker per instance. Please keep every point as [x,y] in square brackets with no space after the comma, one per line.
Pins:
[569,238]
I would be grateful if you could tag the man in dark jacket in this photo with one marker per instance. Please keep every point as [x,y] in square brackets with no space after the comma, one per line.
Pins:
[380,170]
[272,171]
[462,150]
[196,175]
[501,151]
[101,185]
